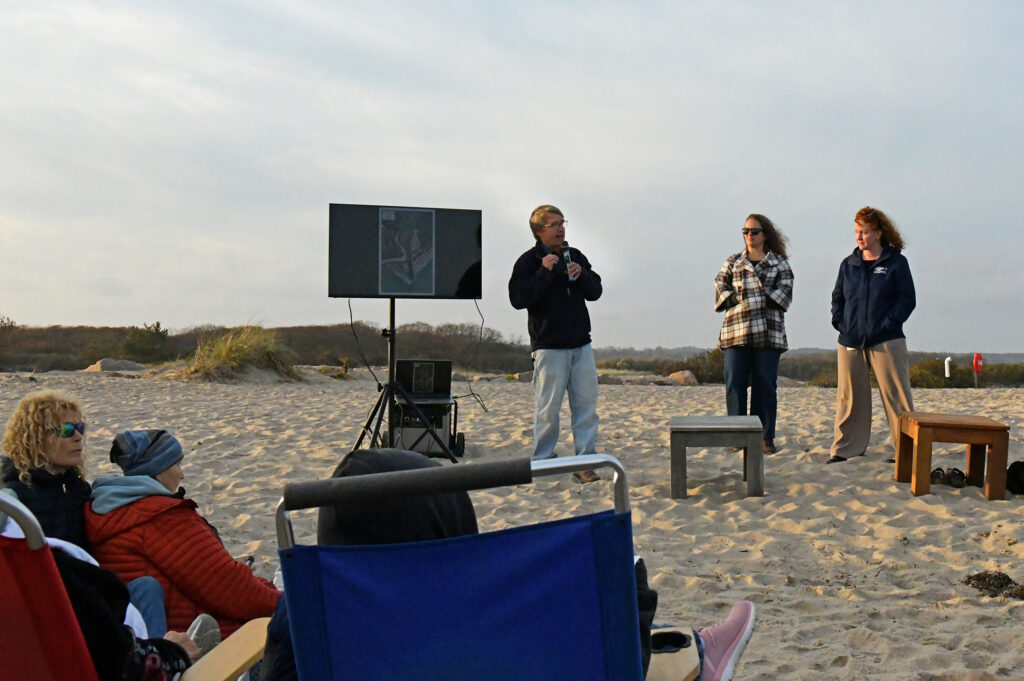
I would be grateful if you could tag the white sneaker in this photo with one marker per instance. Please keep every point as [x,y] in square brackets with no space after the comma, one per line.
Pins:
[204,632]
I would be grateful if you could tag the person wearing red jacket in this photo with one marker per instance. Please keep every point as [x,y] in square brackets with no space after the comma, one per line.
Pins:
[141,524]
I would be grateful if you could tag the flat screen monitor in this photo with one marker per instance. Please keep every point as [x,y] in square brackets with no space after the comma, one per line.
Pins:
[403,252]
[424,377]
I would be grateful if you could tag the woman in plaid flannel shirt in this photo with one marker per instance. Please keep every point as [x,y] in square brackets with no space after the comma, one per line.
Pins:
[754,288]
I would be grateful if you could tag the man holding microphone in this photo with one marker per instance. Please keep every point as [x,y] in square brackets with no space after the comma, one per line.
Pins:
[554,282]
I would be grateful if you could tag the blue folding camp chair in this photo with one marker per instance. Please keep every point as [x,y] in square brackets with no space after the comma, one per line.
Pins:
[552,601]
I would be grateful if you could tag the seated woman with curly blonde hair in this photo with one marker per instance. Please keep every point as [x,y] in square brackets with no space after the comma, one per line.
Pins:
[44,464]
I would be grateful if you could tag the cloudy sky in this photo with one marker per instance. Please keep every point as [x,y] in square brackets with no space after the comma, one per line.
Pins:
[175,161]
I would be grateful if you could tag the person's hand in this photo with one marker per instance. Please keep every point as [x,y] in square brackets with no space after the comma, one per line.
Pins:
[549,261]
[182,639]
[575,270]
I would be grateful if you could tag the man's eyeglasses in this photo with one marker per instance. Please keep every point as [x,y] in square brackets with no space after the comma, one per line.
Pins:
[66,430]
[556,225]
[755,231]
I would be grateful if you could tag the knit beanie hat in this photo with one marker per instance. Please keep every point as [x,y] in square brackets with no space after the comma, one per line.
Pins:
[145,452]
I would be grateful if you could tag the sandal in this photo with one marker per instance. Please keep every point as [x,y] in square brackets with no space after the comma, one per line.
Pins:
[939,477]
[956,478]
[586,476]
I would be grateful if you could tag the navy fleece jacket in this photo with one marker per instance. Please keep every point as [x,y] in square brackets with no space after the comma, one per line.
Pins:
[872,298]
[556,307]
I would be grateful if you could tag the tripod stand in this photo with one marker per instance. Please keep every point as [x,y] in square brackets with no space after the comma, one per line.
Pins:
[390,393]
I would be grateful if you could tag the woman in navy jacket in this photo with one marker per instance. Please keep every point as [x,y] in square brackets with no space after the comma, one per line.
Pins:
[873,297]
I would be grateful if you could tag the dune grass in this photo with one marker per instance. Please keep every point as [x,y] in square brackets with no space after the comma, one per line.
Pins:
[227,356]
[339,372]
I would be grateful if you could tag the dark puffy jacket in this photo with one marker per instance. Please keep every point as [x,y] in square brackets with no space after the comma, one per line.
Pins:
[557,307]
[58,501]
[99,600]
[872,299]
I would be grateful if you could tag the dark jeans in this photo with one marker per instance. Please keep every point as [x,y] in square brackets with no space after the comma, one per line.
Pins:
[758,369]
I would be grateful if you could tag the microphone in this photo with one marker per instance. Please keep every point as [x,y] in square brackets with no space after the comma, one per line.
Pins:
[566,257]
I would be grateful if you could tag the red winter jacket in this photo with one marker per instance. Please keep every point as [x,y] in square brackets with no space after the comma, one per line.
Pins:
[165,537]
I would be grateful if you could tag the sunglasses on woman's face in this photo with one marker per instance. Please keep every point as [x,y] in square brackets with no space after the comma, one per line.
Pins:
[755,231]
[66,430]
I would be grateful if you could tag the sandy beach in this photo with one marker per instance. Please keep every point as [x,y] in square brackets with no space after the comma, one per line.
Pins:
[852,576]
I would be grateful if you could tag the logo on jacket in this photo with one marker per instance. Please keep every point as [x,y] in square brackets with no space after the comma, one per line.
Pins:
[880,270]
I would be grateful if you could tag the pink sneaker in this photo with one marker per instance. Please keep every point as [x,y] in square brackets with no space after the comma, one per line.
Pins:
[724,643]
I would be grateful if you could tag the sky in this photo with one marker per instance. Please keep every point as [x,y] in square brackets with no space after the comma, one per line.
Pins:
[174,162]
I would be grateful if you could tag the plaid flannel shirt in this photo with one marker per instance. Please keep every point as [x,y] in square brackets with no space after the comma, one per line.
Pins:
[755,300]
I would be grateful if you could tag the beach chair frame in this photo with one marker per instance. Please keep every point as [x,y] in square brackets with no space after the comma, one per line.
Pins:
[41,640]
[469,477]
[348,604]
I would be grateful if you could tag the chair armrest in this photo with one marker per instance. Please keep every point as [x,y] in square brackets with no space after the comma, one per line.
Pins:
[233,655]
[681,665]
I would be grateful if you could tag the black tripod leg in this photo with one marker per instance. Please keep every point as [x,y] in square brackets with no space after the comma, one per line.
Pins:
[377,412]
[385,404]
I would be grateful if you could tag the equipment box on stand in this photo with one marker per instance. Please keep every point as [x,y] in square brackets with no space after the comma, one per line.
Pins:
[409,431]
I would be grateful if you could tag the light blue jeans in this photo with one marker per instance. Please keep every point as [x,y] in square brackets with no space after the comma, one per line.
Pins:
[554,373]
[146,594]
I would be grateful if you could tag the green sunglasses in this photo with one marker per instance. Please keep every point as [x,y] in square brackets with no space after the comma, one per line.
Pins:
[66,430]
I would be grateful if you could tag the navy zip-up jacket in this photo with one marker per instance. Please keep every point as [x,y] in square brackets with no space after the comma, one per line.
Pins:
[556,307]
[872,298]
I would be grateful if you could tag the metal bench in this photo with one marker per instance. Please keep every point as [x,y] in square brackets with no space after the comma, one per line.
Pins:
[717,431]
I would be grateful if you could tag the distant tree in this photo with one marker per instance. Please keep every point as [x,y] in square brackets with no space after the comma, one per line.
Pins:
[617,353]
[707,367]
[930,373]
[1003,374]
[824,380]
[148,344]
[7,323]
[804,367]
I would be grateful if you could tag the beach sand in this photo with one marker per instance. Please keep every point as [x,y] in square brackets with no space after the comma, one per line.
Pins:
[852,576]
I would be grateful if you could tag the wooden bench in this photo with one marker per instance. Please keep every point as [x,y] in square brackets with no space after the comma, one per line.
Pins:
[717,431]
[918,430]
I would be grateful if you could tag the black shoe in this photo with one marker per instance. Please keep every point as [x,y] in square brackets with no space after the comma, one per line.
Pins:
[956,478]
[836,459]
[768,446]
[938,477]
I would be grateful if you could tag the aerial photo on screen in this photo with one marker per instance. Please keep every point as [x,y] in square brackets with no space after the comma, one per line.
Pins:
[406,251]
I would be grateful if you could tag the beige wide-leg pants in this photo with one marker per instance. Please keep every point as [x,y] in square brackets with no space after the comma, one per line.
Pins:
[890,363]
